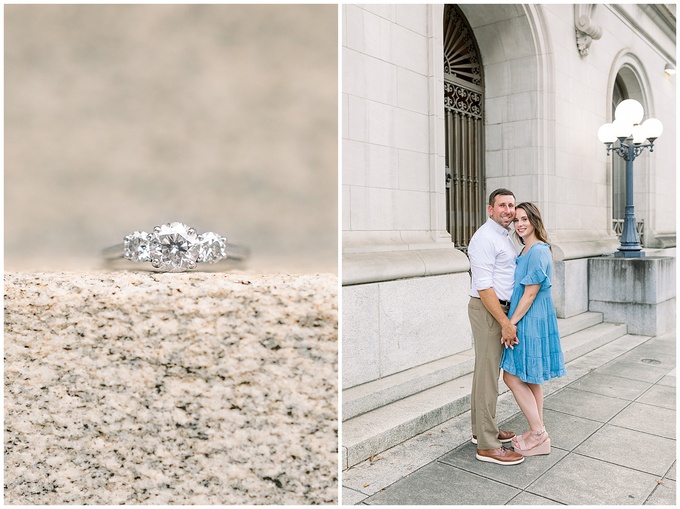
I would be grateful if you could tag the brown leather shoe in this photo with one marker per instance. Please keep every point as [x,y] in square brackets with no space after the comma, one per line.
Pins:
[503,436]
[500,456]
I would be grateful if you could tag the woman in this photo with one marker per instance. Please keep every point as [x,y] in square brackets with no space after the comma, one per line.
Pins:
[538,356]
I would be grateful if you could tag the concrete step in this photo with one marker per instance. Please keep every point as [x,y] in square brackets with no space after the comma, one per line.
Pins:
[369,433]
[569,326]
[384,427]
[370,396]
[367,397]
[580,343]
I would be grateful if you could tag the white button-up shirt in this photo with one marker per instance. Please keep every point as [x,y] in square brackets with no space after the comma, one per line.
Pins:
[492,259]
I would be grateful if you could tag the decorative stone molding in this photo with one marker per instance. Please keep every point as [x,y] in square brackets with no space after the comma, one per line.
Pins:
[373,267]
[587,29]
[573,250]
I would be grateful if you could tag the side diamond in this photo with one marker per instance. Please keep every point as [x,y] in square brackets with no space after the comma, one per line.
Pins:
[136,247]
[212,247]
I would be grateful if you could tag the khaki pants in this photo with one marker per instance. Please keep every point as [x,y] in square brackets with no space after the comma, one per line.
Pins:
[486,332]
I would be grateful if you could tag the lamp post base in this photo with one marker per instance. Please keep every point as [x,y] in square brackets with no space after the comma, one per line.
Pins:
[629,253]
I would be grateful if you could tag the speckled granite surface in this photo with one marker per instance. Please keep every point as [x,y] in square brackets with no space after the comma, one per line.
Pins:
[194,388]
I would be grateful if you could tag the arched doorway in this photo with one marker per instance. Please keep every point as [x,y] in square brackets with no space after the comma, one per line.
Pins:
[464,129]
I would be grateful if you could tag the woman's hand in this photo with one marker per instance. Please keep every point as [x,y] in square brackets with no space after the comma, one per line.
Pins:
[510,341]
[508,332]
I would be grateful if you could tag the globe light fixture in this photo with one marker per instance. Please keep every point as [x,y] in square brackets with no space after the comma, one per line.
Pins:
[606,133]
[638,134]
[629,111]
[628,138]
[622,128]
[653,128]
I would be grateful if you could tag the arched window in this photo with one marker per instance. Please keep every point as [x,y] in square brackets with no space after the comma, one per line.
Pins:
[626,86]
[463,104]
[618,166]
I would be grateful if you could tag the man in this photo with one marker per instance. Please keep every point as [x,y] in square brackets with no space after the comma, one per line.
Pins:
[492,259]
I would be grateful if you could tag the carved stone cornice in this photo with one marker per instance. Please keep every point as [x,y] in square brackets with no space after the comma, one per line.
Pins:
[663,19]
[587,29]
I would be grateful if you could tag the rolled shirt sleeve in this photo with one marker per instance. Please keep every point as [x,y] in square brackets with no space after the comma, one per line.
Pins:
[482,263]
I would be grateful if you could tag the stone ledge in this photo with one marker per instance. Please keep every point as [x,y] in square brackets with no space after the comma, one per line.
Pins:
[375,267]
[565,250]
[193,388]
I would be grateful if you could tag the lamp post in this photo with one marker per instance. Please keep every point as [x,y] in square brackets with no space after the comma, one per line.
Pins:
[631,136]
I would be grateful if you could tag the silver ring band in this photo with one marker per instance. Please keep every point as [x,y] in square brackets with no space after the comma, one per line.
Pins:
[175,247]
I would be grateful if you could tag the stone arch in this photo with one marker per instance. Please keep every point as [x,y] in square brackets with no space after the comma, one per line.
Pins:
[630,68]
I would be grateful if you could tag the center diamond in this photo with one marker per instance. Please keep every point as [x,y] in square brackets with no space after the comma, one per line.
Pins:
[174,247]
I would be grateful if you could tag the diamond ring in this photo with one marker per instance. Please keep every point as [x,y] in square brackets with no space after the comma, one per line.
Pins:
[175,247]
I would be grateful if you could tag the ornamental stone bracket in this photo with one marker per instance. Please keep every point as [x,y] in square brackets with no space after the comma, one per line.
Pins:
[587,29]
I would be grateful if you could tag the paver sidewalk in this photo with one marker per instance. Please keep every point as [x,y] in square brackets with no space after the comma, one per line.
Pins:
[613,431]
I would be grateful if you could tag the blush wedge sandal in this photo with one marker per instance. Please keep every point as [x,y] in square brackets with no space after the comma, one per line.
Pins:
[543,447]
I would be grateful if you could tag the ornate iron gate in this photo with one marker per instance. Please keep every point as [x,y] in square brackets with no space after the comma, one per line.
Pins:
[463,104]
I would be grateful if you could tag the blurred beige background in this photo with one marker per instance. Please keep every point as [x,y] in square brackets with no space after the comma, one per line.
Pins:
[121,117]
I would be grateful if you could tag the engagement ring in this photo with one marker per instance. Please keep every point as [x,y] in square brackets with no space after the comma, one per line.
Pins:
[175,247]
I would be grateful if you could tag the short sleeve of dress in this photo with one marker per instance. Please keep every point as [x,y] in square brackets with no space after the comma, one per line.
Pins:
[539,267]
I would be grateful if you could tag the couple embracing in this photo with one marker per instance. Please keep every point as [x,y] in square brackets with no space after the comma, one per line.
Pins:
[514,326]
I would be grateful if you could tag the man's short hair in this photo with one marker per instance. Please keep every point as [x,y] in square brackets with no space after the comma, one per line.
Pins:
[500,192]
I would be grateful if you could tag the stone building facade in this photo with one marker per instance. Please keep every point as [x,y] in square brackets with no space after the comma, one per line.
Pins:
[539,80]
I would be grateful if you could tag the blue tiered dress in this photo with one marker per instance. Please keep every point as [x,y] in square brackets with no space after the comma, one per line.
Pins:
[538,356]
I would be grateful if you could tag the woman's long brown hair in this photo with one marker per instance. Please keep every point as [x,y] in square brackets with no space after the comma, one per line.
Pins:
[535,219]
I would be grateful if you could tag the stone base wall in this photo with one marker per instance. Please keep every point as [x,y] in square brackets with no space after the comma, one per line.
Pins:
[642,319]
[639,292]
[570,287]
[396,325]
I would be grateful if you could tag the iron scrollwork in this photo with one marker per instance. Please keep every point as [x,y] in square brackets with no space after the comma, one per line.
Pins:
[462,100]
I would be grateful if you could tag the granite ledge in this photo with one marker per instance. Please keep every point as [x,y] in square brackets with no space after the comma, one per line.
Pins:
[148,388]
